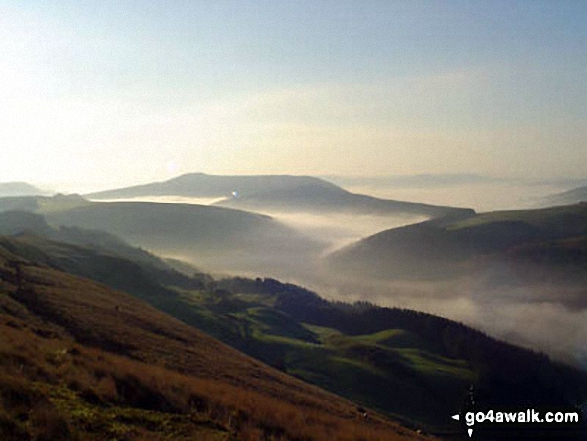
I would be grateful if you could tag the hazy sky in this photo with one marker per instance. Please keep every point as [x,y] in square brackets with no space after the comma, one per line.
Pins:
[105,93]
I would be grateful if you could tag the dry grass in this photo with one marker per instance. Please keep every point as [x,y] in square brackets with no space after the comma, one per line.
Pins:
[81,361]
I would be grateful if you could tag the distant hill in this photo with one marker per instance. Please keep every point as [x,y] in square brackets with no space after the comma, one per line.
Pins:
[220,237]
[569,197]
[316,198]
[531,245]
[81,361]
[9,189]
[42,204]
[280,192]
[414,366]
[211,186]
[89,253]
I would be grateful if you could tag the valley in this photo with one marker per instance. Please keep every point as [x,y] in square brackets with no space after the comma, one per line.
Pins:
[293,220]
[358,350]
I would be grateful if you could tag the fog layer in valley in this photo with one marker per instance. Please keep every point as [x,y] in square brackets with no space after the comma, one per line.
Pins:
[520,316]
[525,315]
[333,229]
[340,229]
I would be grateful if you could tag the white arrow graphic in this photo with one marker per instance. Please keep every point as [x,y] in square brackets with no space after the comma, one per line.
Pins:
[457,417]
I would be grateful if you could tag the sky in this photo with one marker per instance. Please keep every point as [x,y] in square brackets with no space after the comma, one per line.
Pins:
[104,94]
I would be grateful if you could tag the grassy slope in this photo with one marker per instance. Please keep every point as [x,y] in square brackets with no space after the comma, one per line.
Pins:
[18,222]
[415,366]
[405,364]
[81,361]
[364,366]
[552,221]
[442,248]
[172,228]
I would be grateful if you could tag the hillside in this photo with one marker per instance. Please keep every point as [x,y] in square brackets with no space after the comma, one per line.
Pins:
[89,253]
[361,352]
[274,192]
[18,222]
[402,362]
[211,186]
[532,245]
[573,196]
[216,237]
[82,361]
[314,198]
[10,189]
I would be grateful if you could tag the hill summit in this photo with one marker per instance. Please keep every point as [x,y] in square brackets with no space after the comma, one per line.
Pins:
[276,192]
[204,185]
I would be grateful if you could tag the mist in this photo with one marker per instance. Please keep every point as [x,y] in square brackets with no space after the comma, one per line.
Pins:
[539,316]
[165,200]
[341,229]
[520,316]
[334,229]
[529,316]
[482,196]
